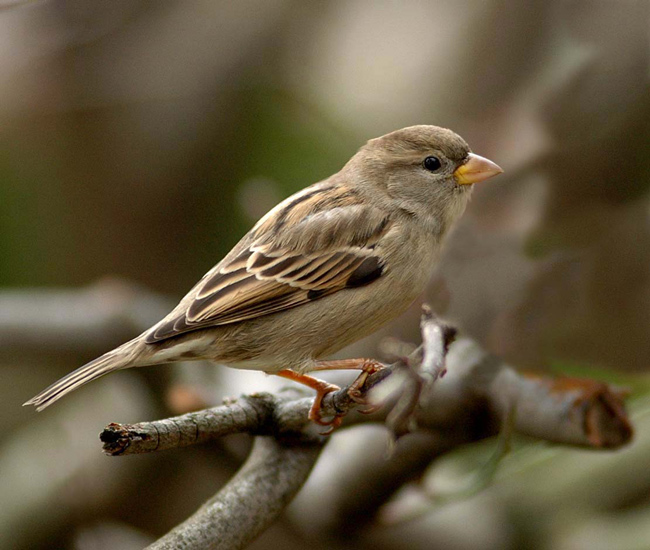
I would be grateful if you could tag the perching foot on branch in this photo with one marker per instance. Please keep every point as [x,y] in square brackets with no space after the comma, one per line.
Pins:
[322,389]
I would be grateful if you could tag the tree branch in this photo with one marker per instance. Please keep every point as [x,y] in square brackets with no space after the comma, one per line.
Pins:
[563,410]
[88,320]
[265,414]
[273,473]
[471,403]
[479,389]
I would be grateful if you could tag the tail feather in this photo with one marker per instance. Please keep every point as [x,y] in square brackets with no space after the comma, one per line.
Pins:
[119,358]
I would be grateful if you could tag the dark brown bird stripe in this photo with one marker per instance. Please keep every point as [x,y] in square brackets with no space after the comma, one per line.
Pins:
[310,203]
[281,220]
[264,307]
[315,294]
[370,270]
[337,273]
[239,262]
[316,268]
[218,281]
[305,272]
[278,268]
[199,306]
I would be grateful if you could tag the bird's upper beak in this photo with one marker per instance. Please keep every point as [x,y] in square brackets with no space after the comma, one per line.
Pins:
[476,169]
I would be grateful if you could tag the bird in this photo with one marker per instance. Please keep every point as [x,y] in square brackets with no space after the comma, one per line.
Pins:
[324,268]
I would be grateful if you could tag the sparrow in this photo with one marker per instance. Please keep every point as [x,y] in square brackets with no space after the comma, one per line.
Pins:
[324,268]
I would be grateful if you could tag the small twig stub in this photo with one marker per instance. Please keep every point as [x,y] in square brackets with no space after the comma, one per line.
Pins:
[418,372]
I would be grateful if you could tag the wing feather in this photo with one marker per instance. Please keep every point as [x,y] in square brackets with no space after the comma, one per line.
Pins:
[321,248]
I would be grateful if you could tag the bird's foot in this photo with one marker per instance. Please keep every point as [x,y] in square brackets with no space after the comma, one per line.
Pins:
[368,367]
[322,389]
[315,411]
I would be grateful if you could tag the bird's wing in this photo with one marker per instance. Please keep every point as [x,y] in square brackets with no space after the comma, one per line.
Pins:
[314,244]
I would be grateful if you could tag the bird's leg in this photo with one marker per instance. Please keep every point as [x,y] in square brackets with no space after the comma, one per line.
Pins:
[322,389]
[367,367]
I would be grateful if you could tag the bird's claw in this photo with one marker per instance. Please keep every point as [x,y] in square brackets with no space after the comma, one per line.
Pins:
[370,409]
[355,393]
[315,412]
[358,397]
[332,424]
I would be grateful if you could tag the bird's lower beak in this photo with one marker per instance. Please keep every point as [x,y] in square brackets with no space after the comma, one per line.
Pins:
[476,169]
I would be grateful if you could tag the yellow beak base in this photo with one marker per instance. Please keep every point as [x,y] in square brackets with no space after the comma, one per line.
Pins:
[476,169]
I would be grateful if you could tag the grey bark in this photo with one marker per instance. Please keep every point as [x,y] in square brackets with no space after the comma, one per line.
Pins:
[251,501]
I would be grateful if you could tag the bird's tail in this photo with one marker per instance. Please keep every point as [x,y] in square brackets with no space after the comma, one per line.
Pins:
[126,355]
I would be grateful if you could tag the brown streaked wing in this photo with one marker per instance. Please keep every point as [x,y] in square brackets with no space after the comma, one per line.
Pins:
[280,279]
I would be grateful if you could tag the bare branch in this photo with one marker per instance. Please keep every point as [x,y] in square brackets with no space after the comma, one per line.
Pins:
[250,414]
[265,414]
[251,501]
[477,394]
[417,373]
[88,320]
[436,339]
[563,410]
[470,405]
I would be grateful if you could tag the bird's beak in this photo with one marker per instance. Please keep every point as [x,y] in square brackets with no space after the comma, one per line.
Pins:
[476,169]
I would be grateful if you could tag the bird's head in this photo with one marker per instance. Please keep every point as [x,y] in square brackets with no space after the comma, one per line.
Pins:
[425,171]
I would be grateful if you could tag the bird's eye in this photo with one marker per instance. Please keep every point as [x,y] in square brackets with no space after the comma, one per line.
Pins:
[432,163]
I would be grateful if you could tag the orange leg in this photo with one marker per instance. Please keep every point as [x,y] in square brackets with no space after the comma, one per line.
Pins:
[322,389]
[367,367]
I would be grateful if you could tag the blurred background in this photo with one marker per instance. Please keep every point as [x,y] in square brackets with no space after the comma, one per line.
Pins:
[139,140]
